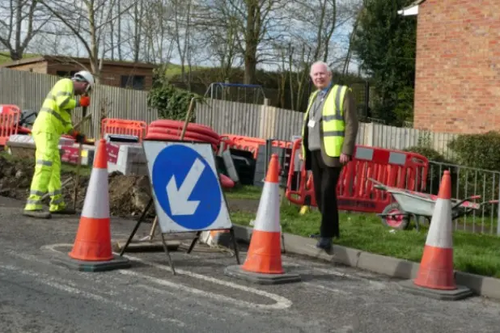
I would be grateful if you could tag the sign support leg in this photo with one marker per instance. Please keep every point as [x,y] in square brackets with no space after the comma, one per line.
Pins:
[235,245]
[152,231]
[167,252]
[194,242]
[139,221]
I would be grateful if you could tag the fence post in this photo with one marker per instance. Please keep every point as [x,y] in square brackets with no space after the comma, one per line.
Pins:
[498,218]
[267,120]
[368,134]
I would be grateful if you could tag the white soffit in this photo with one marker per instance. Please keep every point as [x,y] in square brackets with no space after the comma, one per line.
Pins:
[409,11]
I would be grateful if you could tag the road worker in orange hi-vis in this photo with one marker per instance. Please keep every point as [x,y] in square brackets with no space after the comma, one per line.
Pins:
[53,120]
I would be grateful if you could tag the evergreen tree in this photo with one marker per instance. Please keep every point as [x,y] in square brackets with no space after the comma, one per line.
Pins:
[385,44]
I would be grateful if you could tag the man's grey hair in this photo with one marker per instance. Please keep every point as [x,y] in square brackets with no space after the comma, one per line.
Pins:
[322,63]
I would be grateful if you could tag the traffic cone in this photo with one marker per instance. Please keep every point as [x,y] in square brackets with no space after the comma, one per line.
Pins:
[263,262]
[436,267]
[436,275]
[92,247]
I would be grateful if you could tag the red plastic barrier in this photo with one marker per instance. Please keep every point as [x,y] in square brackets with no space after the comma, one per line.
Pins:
[250,144]
[124,127]
[9,121]
[355,191]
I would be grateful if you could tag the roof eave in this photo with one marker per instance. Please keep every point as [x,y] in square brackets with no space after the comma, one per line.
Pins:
[411,10]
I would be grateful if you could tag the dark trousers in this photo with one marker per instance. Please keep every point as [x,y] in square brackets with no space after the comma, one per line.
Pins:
[325,190]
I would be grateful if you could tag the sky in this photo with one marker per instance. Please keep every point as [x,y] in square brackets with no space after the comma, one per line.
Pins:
[72,47]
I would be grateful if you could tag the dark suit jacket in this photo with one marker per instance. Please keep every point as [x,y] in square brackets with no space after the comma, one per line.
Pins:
[351,132]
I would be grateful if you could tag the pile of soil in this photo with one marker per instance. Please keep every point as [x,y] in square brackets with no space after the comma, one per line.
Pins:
[128,195]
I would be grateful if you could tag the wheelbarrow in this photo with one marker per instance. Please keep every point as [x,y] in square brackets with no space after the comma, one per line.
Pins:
[419,205]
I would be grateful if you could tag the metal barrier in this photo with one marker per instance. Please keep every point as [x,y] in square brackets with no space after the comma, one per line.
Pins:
[9,121]
[355,192]
[124,127]
[466,182]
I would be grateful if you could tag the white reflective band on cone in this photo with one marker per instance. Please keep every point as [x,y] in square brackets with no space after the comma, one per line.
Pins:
[440,231]
[268,213]
[97,198]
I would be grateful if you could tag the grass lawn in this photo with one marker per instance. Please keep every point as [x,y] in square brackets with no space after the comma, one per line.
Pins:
[473,253]
[175,69]
[5,57]
[243,192]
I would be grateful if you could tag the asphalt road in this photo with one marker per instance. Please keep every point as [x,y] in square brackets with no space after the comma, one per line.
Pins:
[37,295]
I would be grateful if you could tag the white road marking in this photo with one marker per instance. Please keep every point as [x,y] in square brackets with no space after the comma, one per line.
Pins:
[218,297]
[65,286]
[281,302]
[304,265]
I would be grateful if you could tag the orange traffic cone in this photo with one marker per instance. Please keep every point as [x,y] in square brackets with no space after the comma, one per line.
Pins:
[92,247]
[436,275]
[263,262]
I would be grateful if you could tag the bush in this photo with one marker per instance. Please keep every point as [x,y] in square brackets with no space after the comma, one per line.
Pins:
[171,102]
[434,172]
[431,154]
[478,150]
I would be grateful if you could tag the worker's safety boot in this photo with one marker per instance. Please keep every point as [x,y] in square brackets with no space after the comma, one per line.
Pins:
[38,214]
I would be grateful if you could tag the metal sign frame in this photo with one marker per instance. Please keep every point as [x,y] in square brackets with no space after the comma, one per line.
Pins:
[198,232]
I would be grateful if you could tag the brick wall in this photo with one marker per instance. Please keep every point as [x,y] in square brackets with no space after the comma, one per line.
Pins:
[457,87]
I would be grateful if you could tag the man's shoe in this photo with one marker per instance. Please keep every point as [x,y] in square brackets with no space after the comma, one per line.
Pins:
[325,243]
[38,214]
[64,211]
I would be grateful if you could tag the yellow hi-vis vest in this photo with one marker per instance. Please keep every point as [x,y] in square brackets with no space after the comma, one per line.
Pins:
[54,116]
[332,120]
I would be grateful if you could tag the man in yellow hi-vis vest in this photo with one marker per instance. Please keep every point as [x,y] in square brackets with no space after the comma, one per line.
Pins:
[328,139]
[53,120]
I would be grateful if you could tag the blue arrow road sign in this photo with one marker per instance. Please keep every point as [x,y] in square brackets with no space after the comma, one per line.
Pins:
[186,187]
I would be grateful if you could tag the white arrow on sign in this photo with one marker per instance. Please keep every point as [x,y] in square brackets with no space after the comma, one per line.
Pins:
[178,197]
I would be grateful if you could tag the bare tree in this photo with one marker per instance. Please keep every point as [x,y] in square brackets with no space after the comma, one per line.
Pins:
[20,21]
[316,23]
[258,23]
[222,39]
[131,34]
[182,29]
[88,20]
[358,10]
[157,29]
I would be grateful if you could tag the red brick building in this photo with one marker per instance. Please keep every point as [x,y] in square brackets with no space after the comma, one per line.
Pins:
[457,86]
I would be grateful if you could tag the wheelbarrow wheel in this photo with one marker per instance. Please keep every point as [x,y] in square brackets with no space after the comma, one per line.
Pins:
[399,221]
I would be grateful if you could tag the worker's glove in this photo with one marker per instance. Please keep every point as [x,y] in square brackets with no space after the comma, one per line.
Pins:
[84,101]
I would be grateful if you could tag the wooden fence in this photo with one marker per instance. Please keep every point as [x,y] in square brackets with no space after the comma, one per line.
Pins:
[27,90]
[264,121]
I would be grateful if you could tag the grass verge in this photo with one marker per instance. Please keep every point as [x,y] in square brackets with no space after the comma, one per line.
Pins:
[243,192]
[473,253]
